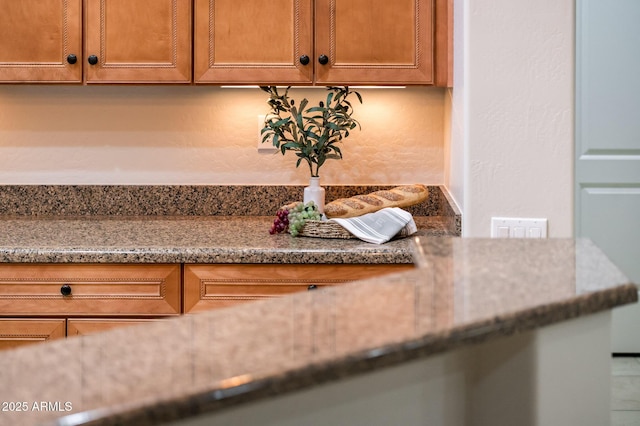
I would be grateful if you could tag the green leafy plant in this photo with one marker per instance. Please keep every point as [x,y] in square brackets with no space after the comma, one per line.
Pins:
[312,133]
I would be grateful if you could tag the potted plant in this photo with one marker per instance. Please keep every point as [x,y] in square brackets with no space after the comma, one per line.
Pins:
[313,133]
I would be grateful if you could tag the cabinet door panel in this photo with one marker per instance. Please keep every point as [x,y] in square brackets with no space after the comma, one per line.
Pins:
[138,41]
[20,332]
[215,286]
[252,41]
[369,42]
[36,37]
[84,326]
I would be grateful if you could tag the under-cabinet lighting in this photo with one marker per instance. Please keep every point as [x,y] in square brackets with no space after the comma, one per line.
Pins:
[378,87]
[279,87]
[316,87]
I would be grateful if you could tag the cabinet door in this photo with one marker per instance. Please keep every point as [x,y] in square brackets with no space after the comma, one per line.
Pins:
[253,41]
[216,286]
[84,326]
[138,41]
[37,39]
[89,290]
[374,41]
[16,332]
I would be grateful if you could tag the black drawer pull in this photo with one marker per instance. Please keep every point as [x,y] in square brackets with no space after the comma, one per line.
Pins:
[65,290]
[312,287]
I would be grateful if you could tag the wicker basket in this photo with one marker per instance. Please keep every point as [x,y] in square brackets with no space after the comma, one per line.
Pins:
[324,229]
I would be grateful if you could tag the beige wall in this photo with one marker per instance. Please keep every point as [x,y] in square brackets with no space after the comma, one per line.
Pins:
[203,135]
[507,149]
[512,113]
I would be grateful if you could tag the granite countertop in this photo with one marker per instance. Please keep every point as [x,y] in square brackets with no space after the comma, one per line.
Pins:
[187,224]
[463,292]
[187,239]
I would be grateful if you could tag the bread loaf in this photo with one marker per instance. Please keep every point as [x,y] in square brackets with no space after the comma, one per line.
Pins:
[400,196]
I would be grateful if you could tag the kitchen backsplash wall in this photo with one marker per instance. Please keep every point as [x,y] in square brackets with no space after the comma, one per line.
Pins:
[165,201]
[181,200]
[168,135]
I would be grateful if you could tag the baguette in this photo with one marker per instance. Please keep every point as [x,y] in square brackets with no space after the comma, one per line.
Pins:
[400,196]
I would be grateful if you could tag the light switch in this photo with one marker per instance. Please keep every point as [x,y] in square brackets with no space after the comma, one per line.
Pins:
[503,232]
[518,227]
[519,232]
[535,233]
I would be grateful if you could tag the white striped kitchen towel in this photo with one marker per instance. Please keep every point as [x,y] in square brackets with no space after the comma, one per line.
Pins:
[381,226]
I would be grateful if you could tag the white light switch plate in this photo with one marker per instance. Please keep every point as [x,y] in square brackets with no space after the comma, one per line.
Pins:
[518,227]
[267,147]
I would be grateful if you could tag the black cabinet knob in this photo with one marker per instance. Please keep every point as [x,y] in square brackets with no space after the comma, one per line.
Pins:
[323,59]
[65,290]
[312,287]
[93,59]
[304,60]
[72,59]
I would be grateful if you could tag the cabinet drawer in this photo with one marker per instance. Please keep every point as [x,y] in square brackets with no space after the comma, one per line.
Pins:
[215,286]
[15,332]
[92,290]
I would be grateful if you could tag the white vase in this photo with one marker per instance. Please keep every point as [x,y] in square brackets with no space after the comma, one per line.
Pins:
[314,192]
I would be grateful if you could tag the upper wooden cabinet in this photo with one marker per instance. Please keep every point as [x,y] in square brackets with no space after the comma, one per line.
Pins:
[321,42]
[41,41]
[125,41]
[300,42]
[373,42]
[253,41]
[141,41]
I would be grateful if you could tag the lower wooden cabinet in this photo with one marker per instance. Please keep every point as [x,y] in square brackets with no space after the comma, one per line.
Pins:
[84,326]
[218,285]
[40,302]
[89,290]
[15,332]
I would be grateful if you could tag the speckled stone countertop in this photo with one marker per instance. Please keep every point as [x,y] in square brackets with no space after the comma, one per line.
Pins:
[213,239]
[463,292]
[187,224]
[185,200]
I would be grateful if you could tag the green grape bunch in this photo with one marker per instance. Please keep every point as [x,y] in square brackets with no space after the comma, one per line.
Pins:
[294,218]
[301,213]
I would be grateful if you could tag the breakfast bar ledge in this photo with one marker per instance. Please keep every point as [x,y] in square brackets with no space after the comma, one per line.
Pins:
[481,332]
